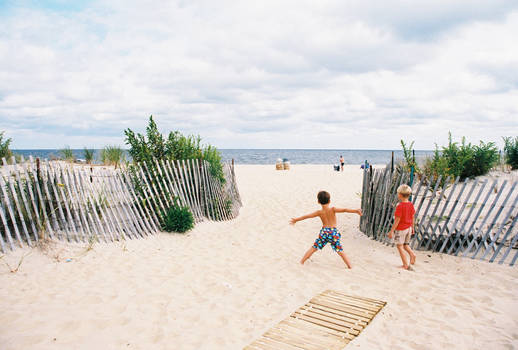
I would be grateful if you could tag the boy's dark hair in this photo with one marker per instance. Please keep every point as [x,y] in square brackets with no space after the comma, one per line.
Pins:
[323,197]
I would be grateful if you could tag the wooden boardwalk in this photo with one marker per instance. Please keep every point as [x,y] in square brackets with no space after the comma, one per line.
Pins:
[328,321]
[81,203]
[474,218]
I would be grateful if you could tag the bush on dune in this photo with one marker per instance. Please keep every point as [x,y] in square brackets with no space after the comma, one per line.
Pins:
[511,151]
[153,145]
[5,152]
[464,160]
[177,219]
[112,155]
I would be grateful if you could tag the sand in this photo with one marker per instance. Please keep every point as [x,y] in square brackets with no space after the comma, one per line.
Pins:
[224,284]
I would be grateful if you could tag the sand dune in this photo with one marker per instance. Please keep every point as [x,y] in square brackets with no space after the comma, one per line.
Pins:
[224,284]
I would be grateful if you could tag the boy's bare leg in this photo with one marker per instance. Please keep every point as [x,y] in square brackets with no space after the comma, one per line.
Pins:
[344,258]
[411,253]
[308,255]
[402,254]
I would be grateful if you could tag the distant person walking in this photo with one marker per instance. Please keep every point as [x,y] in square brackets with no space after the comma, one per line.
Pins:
[342,162]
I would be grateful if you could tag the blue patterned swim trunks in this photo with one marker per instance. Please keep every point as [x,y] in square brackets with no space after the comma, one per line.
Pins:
[328,235]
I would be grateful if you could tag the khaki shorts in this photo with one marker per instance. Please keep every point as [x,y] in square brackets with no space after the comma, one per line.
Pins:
[403,236]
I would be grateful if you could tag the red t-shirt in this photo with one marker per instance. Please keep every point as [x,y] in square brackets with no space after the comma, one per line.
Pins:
[405,212]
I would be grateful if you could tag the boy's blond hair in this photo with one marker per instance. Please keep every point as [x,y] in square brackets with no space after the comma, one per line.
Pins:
[404,190]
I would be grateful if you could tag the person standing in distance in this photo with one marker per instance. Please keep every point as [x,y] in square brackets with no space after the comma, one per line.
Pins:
[342,162]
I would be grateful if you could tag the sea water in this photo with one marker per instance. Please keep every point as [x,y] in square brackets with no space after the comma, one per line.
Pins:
[269,156]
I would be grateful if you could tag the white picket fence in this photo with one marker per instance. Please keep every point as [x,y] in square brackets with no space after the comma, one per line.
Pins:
[81,203]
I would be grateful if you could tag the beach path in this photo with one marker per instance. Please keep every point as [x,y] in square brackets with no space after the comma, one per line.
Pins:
[225,283]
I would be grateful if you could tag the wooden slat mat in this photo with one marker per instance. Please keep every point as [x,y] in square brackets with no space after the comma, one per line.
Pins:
[328,321]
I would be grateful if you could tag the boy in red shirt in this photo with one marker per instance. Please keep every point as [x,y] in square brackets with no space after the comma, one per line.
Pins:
[404,225]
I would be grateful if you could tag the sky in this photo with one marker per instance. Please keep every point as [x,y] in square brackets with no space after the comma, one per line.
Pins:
[259,74]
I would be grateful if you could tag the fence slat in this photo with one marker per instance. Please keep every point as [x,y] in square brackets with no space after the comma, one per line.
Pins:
[190,188]
[152,223]
[419,232]
[144,218]
[441,215]
[74,204]
[495,238]
[153,193]
[497,215]
[135,229]
[479,231]
[511,244]
[160,185]
[434,211]
[45,179]
[116,208]
[461,231]
[39,194]
[451,234]
[18,206]
[99,203]
[28,182]
[68,222]
[169,165]
[210,209]
[89,205]
[196,186]
[169,193]
[216,200]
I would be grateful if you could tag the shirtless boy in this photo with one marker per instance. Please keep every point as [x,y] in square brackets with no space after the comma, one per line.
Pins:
[328,233]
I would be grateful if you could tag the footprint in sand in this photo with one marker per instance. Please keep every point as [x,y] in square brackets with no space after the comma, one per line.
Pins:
[70,325]
[354,287]
[450,314]
[475,313]
[462,299]
[487,301]
[34,339]
[402,303]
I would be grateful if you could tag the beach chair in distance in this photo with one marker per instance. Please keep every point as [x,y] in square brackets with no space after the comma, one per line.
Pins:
[330,320]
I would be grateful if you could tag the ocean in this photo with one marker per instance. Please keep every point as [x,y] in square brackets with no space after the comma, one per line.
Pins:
[269,156]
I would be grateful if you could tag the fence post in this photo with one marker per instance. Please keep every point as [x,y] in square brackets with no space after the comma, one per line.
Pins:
[392,163]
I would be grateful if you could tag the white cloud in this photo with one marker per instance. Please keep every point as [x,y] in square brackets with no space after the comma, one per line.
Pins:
[265,74]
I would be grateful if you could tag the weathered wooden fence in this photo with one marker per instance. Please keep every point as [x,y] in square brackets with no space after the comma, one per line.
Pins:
[79,203]
[474,218]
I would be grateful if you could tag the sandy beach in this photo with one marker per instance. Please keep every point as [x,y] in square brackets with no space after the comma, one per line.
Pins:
[225,283]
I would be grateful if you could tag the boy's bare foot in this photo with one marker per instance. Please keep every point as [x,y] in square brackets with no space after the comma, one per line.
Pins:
[404,267]
[412,259]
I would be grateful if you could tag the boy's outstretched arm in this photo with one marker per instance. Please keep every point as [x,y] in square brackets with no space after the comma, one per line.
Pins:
[345,210]
[304,217]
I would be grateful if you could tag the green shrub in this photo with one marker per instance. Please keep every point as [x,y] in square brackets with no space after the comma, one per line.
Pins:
[511,151]
[89,155]
[4,147]
[112,155]
[464,160]
[213,157]
[483,158]
[67,154]
[153,145]
[436,165]
[409,156]
[177,219]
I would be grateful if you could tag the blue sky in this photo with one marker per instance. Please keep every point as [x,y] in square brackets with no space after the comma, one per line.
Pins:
[269,74]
